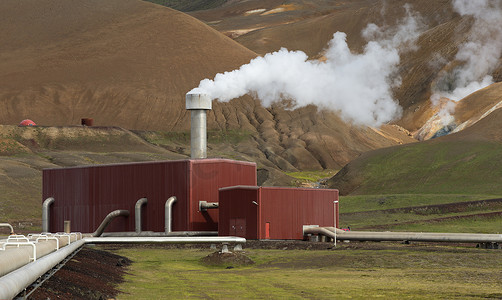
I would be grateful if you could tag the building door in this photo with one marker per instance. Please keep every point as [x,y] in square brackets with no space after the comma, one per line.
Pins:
[238,227]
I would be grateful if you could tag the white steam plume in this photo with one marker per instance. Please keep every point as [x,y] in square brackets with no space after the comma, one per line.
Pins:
[359,86]
[480,54]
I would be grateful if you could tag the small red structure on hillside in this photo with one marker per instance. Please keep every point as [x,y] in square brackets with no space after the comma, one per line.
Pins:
[27,122]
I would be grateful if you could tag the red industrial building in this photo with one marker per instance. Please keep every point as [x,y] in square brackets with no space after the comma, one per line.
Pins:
[85,195]
[211,195]
[273,212]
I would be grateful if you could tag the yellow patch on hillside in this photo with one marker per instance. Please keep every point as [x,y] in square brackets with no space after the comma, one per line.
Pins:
[281,8]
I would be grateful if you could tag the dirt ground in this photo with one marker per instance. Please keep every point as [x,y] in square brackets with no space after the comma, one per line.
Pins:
[91,274]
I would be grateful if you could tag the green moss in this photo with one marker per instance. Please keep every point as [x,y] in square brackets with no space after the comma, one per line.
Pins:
[297,274]
[432,168]
[164,138]
[312,176]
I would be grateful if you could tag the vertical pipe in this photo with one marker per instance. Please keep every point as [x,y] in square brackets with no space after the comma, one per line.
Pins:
[198,134]
[336,219]
[45,214]
[137,213]
[67,226]
[169,214]
[198,104]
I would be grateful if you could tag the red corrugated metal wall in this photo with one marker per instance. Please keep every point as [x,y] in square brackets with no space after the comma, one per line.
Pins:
[281,213]
[238,214]
[208,174]
[288,209]
[85,195]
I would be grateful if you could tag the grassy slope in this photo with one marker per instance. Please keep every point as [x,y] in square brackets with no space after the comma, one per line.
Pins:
[457,167]
[395,272]
[465,166]
[467,162]
[426,174]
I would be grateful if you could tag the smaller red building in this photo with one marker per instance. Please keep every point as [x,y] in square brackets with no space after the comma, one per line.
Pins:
[274,213]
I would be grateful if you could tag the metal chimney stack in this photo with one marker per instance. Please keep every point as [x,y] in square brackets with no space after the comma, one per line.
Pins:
[198,104]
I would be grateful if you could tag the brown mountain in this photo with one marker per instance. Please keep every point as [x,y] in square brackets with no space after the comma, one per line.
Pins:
[129,63]
[266,26]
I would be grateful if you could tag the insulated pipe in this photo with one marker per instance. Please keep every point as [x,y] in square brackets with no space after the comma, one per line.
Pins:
[168,240]
[137,213]
[8,225]
[168,214]
[14,257]
[108,219]
[159,234]
[405,236]
[198,104]
[45,214]
[16,281]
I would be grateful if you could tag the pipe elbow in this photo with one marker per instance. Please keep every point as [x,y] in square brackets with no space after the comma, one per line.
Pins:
[48,202]
[108,219]
[140,202]
[169,214]
[137,213]
[45,213]
[171,201]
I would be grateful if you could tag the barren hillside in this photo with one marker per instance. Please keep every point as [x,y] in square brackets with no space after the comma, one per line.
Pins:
[266,26]
[130,63]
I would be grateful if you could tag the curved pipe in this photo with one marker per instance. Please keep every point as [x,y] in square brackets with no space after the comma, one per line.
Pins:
[108,219]
[137,213]
[45,214]
[8,225]
[169,214]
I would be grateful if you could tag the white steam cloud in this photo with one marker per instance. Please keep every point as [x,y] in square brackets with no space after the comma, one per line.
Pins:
[480,54]
[358,86]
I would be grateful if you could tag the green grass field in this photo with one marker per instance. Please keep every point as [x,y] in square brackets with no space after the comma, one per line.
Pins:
[389,271]
[409,212]
[448,167]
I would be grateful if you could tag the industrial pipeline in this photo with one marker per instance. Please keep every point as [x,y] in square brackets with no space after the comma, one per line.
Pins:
[338,234]
[24,259]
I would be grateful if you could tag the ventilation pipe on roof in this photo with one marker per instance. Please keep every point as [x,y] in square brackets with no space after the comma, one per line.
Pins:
[169,214]
[198,104]
[108,219]
[45,214]
[137,213]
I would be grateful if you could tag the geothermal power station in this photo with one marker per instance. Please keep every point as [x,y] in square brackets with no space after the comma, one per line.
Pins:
[197,200]
[212,196]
